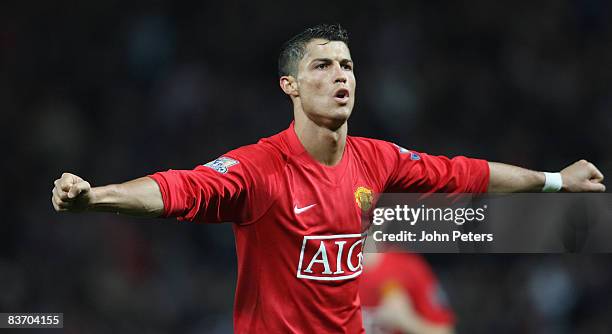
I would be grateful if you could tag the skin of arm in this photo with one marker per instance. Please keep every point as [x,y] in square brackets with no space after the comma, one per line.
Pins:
[140,197]
[581,176]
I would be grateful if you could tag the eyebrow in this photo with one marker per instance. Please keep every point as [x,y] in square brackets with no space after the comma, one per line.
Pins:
[328,60]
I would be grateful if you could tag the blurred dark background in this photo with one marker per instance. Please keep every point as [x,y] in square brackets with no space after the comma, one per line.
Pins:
[111,91]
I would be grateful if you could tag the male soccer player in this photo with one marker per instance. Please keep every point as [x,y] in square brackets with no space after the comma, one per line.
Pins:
[297,198]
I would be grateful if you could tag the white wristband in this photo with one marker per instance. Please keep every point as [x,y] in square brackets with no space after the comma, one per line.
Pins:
[553,182]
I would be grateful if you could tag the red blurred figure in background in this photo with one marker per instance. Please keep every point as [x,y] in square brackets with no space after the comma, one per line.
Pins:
[401,294]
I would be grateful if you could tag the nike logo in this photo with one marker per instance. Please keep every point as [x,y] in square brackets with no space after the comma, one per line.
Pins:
[300,210]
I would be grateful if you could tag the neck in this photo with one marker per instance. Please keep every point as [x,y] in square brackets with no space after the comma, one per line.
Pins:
[324,144]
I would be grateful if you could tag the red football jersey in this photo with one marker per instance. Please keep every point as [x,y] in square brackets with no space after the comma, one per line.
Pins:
[299,225]
[413,275]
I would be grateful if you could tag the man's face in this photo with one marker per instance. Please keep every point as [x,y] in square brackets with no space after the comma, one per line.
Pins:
[326,82]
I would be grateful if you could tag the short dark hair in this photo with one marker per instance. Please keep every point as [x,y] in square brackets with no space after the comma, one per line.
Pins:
[294,49]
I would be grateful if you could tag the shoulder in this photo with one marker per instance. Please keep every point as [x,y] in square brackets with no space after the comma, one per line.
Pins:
[263,155]
[256,161]
[364,141]
[369,146]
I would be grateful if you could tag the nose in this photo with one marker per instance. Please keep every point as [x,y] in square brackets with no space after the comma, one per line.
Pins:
[339,74]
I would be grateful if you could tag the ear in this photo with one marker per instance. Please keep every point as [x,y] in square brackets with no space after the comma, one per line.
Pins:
[289,85]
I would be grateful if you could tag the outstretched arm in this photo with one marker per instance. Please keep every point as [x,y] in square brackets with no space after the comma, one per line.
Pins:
[581,176]
[139,197]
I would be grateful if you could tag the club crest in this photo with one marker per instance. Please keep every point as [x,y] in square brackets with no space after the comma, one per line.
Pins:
[364,198]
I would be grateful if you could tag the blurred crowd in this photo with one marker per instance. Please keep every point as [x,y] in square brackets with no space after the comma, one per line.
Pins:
[112,91]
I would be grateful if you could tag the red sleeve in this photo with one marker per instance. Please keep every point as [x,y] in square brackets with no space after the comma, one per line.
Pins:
[411,171]
[232,187]
[428,297]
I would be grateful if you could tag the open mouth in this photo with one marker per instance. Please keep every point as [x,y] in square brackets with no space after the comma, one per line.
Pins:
[342,95]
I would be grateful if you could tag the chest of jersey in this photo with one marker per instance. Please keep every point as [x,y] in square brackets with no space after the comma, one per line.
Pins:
[326,212]
[325,201]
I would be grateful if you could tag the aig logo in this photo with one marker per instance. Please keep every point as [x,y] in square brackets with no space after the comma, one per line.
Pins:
[331,257]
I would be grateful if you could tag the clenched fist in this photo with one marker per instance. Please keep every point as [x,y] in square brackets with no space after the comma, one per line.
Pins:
[582,176]
[71,193]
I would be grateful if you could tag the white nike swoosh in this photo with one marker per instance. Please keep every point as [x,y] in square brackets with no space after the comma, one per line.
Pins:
[300,210]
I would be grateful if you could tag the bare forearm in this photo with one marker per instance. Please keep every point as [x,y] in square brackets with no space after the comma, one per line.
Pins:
[140,197]
[507,179]
[581,176]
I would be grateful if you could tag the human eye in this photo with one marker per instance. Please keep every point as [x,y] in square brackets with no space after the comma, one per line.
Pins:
[347,67]
[321,66]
